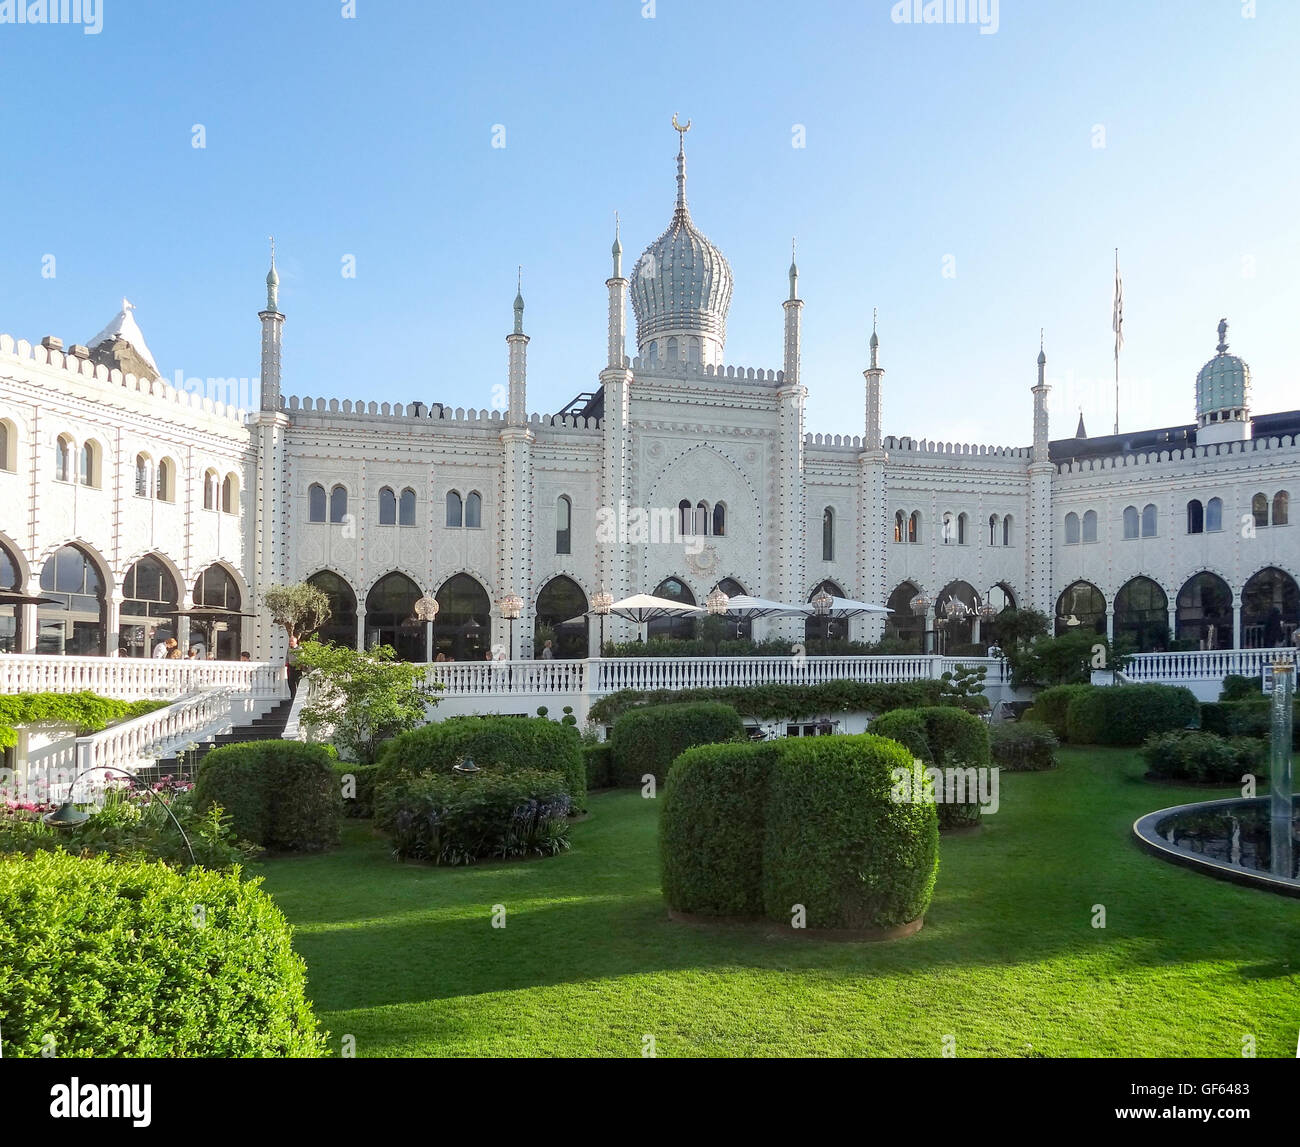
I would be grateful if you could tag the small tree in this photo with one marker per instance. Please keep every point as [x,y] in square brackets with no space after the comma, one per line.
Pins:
[965,688]
[366,697]
[302,609]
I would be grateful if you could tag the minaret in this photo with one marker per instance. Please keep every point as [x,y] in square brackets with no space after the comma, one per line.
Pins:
[516,516]
[791,551]
[1038,535]
[873,512]
[272,331]
[617,343]
[613,567]
[269,525]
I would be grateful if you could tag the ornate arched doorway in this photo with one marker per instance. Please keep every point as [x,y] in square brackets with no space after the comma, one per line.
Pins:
[561,610]
[216,622]
[1142,615]
[464,628]
[674,589]
[75,621]
[825,628]
[1205,612]
[391,620]
[1081,606]
[902,624]
[1270,609]
[11,637]
[341,626]
[150,601]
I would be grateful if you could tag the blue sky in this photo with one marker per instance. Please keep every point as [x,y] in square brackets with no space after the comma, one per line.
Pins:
[372,137]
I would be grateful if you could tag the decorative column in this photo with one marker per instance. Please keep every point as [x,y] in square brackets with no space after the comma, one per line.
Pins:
[872,509]
[613,567]
[1038,535]
[516,542]
[791,549]
[269,509]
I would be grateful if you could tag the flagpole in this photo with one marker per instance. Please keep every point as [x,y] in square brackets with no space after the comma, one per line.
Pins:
[1119,320]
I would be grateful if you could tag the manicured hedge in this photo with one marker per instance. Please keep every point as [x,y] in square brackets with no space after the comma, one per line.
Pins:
[711,828]
[449,819]
[1246,719]
[1128,714]
[502,744]
[1239,688]
[647,741]
[1204,757]
[1023,746]
[129,959]
[361,784]
[599,761]
[759,828]
[86,712]
[781,702]
[946,738]
[282,795]
[1051,705]
[907,727]
[838,843]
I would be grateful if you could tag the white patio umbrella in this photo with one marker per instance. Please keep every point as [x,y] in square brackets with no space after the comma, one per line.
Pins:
[847,607]
[745,606]
[643,607]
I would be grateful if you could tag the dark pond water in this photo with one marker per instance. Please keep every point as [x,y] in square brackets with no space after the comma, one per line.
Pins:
[1237,834]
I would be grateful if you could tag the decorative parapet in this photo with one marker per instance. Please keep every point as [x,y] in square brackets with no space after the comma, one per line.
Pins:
[845,441]
[695,370]
[929,446]
[431,413]
[1156,457]
[25,352]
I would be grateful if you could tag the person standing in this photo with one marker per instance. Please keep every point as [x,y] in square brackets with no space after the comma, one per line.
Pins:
[548,653]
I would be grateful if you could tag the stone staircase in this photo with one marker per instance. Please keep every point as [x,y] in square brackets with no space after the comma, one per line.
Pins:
[269,727]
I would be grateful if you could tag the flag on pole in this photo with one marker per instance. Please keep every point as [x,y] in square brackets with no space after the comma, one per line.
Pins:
[1117,320]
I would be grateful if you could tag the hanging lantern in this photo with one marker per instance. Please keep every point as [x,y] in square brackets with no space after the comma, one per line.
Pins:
[717,602]
[920,604]
[822,602]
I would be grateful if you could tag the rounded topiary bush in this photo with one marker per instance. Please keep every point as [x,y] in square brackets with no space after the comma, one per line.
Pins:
[282,795]
[839,842]
[1023,746]
[1051,705]
[907,727]
[712,826]
[126,959]
[1206,758]
[357,786]
[1128,714]
[647,741]
[600,763]
[500,744]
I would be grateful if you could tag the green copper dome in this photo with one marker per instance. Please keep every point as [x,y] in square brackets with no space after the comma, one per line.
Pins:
[1224,382]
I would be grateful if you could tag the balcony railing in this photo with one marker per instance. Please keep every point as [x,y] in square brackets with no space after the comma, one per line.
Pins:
[136,678]
[1205,665]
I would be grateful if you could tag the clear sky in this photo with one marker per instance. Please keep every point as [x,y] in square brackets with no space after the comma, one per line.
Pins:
[372,137]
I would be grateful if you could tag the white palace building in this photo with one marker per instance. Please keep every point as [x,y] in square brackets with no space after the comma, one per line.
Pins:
[131,511]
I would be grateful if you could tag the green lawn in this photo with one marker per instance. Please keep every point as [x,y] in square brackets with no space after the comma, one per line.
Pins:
[404,957]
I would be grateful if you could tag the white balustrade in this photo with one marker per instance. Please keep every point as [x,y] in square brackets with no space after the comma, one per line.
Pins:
[136,678]
[1205,665]
[140,742]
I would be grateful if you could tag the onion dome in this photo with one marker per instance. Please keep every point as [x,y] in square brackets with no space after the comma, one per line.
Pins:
[1223,384]
[681,287]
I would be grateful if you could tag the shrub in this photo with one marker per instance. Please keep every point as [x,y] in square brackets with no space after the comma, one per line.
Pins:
[599,762]
[838,843]
[1023,746]
[781,702]
[458,820]
[649,740]
[361,785]
[1246,719]
[1127,714]
[502,744]
[113,959]
[1050,706]
[1238,688]
[711,828]
[131,825]
[282,795]
[907,727]
[1192,755]
[86,712]
[957,740]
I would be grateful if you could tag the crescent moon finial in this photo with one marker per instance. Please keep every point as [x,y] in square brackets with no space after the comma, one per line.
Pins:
[678,125]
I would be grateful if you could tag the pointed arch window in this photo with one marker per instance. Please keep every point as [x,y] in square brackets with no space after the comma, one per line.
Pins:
[1130,522]
[701,518]
[406,508]
[315,502]
[166,486]
[914,526]
[387,506]
[143,476]
[685,518]
[1259,507]
[230,494]
[828,534]
[1090,526]
[1072,529]
[720,519]
[474,511]
[63,459]
[1149,520]
[455,510]
[563,525]
[993,529]
[212,490]
[1195,517]
[900,526]
[1006,530]
[1214,515]
[338,504]
[961,529]
[1281,507]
